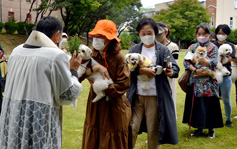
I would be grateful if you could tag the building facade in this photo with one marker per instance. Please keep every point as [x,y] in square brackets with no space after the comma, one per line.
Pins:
[222,12]
[17,10]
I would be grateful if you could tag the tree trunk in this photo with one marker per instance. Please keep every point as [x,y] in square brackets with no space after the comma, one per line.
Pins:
[28,17]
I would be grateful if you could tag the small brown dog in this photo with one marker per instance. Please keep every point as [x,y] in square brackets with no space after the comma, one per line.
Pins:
[199,57]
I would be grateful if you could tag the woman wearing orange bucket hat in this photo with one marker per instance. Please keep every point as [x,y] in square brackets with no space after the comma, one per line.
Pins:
[108,123]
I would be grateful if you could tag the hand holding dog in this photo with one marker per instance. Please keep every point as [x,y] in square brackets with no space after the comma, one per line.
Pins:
[201,72]
[168,71]
[147,71]
[103,71]
[75,61]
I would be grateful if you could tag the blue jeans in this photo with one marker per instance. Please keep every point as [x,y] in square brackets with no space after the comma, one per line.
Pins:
[225,88]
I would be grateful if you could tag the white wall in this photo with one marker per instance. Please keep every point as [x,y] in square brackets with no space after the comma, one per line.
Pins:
[225,10]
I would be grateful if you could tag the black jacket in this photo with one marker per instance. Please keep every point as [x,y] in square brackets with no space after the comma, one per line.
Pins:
[167,118]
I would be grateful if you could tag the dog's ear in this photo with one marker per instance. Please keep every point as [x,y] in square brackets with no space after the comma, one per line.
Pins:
[88,51]
[139,56]
[128,56]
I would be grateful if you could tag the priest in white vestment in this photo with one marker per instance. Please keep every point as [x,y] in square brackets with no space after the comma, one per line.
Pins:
[40,79]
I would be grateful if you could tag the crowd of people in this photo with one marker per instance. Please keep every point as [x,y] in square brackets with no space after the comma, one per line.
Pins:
[41,78]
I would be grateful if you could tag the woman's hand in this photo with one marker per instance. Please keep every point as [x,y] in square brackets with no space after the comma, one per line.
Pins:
[147,71]
[201,72]
[103,71]
[205,62]
[168,71]
[88,72]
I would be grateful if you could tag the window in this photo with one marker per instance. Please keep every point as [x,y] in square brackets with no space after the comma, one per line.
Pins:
[11,17]
[29,18]
[28,1]
[212,21]
[235,3]
[231,22]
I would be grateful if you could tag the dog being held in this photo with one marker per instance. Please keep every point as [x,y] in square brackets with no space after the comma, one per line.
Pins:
[137,60]
[199,57]
[223,52]
[99,84]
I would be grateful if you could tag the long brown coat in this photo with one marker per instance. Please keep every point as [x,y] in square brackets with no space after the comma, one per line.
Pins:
[108,123]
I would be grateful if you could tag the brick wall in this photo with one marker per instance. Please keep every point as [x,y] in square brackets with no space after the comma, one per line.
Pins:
[15,5]
[211,9]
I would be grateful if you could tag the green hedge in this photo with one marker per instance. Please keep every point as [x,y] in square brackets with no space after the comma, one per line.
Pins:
[29,27]
[21,29]
[1,26]
[11,27]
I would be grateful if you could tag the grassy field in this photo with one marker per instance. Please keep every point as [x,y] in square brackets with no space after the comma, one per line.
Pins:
[73,119]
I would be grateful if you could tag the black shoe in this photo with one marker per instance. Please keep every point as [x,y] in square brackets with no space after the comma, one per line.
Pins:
[198,132]
[228,123]
[211,134]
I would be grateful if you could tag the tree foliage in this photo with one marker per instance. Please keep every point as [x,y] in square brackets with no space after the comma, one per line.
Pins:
[183,17]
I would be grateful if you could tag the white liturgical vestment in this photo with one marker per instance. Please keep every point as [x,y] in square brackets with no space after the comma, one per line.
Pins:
[39,81]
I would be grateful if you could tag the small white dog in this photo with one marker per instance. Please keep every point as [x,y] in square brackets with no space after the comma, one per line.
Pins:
[136,59]
[99,84]
[223,52]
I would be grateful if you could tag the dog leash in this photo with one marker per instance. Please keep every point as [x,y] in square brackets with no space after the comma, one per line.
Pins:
[192,105]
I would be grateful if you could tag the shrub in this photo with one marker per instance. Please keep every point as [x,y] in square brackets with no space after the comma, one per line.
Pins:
[127,39]
[74,44]
[1,26]
[11,27]
[29,27]
[21,29]
[232,36]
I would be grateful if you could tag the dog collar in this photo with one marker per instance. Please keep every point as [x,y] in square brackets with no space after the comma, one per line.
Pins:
[84,61]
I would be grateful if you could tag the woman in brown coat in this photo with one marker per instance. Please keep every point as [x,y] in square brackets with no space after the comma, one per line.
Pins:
[108,123]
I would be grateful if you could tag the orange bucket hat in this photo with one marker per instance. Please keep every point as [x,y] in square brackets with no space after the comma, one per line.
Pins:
[106,28]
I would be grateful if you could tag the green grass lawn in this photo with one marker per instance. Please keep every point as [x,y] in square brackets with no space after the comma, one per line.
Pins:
[73,120]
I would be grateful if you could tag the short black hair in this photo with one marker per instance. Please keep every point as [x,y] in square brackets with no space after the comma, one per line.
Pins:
[147,21]
[204,26]
[49,25]
[225,28]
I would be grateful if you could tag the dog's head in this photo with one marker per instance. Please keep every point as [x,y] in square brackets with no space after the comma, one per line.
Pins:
[201,52]
[225,50]
[84,51]
[133,58]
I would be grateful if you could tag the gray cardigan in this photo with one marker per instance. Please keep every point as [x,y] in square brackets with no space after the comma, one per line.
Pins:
[167,118]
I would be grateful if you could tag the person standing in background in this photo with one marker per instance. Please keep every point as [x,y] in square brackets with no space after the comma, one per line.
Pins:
[153,109]
[163,38]
[63,44]
[1,85]
[234,73]
[222,31]
[202,106]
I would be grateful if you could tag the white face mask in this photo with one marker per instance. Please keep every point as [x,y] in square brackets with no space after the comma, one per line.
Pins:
[203,39]
[221,37]
[148,39]
[98,43]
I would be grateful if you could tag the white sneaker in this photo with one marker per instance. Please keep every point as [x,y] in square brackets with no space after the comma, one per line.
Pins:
[235,117]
